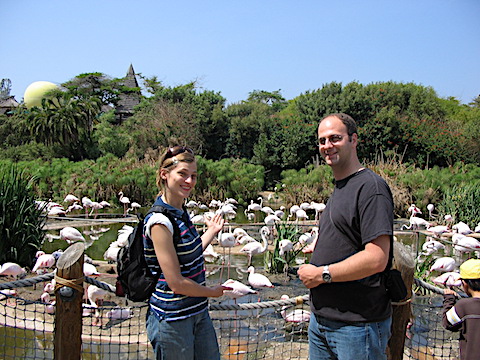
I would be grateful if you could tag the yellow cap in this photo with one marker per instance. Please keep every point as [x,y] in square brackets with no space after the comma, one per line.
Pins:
[470,269]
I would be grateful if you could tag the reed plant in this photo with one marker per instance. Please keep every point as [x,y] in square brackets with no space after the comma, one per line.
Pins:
[21,220]
[274,262]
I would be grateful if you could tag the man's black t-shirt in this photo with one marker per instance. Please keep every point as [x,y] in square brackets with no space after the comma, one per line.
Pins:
[359,211]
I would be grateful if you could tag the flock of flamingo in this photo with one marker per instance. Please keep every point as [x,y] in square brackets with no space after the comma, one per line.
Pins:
[94,295]
[462,240]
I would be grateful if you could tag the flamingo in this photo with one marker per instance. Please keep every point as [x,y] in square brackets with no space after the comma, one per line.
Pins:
[294,316]
[44,261]
[119,314]
[416,222]
[285,246]
[125,201]
[477,228]
[301,214]
[255,248]
[237,289]
[12,269]
[105,203]
[267,210]
[279,213]
[443,264]
[7,294]
[95,206]
[439,229]
[462,228]
[449,278]
[210,254]
[87,204]
[134,205]
[293,210]
[431,245]
[226,240]
[318,207]
[56,211]
[111,254]
[430,208]
[71,199]
[257,280]
[95,296]
[414,210]
[464,243]
[73,207]
[271,220]
[71,235]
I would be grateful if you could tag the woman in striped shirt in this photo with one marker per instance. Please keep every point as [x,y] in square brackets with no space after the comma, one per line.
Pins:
[178,324]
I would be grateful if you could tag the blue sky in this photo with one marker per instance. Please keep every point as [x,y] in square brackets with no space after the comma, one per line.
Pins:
[235,47]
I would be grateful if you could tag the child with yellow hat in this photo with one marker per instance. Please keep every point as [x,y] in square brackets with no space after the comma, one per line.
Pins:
[464,314]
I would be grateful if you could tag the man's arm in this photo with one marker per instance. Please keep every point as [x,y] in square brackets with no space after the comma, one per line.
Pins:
[373,259]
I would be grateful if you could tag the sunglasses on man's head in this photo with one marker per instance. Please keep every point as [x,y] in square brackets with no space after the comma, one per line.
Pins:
[174,151]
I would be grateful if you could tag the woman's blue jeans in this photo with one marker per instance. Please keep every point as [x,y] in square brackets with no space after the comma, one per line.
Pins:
[341,341]
[187,339]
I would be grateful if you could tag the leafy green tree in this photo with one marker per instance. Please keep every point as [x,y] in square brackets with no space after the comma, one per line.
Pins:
[95,85]
[66,121]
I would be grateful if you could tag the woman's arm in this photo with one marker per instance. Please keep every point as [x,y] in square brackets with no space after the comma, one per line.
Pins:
[162,240]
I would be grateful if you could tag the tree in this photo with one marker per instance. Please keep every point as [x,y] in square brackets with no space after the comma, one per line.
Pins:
[5,88]
[65,120]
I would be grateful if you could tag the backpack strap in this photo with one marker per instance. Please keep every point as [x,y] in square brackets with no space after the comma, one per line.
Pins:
[171,217]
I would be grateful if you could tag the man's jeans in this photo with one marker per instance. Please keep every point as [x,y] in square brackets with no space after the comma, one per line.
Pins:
[341,341]
[187,339]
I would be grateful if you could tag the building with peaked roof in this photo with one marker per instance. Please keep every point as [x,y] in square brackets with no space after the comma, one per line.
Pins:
[7,105]
[128,99]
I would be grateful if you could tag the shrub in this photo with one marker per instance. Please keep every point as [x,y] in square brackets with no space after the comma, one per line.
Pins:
[20,220]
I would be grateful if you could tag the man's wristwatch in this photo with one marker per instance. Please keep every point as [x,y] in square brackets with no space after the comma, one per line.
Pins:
[326,276]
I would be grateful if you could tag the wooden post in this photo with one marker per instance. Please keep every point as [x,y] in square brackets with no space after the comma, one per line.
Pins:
[68,308]
[405,263]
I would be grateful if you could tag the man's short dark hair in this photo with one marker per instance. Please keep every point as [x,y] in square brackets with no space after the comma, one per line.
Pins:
[347,120]
[473,284]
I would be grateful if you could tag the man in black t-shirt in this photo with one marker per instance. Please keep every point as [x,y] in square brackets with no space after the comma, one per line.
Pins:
[351,310]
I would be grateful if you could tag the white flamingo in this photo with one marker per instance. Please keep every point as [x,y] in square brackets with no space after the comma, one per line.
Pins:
[12,269]
[255,248]
[443,264]
[449,278]
[462,228]
[71,235]
[464,243]
[257,280]
[238,289]
[296,315]
[119,314]
[87,204]
[210,254]
[285,246]
[70,198]
[43,261]
[96,296]
[125,201]
[430,246]
[430,208]
[226,240]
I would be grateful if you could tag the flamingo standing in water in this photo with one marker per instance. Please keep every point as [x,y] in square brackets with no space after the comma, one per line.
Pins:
[226,240]
[125,201]
[255,248]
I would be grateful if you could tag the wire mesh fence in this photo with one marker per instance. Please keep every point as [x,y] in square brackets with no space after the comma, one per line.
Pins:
[251,330]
